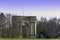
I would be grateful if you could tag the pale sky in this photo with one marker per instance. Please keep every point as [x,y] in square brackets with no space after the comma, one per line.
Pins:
[39,8]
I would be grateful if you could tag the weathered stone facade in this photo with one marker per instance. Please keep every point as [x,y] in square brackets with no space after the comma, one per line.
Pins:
[25,26]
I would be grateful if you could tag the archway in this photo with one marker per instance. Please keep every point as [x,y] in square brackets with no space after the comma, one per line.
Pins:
[25,30]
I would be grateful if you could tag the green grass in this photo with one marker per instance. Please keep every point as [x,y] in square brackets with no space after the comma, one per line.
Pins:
[25,39]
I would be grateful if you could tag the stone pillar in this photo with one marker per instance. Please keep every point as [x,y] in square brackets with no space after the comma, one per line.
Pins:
[32,30]
[35,29]
[21,31]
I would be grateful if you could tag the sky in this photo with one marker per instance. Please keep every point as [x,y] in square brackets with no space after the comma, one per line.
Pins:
[39,8]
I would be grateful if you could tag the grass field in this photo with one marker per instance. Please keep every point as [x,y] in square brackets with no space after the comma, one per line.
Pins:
[26,39]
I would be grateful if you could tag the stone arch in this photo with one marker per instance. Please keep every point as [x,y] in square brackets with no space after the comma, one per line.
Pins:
[26,30]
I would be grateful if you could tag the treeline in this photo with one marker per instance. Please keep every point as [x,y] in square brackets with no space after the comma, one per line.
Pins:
[48,28]
[45,28]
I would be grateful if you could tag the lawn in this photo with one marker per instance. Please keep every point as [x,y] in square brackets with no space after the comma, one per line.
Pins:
[26,39]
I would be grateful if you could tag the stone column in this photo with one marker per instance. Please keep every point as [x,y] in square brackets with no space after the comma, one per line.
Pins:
[32,30]
[21,31]
[35,29]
